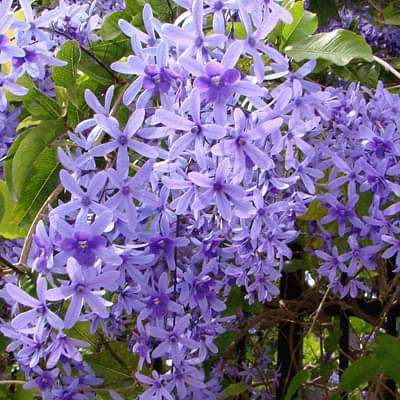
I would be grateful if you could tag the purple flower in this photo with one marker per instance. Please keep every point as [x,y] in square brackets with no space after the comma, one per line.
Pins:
[193,43]
[151,25]
[98,108]
[46,380]
[43,256]
[157,389]
[174,342]
[122,141]
[8,84]
[82,200]
[156,302]
[83,288]
[218,81]
[85,242]
[195,131]
[7,50]
[332,263]
[200,291]
[186,378]
[128,190]
[360,256]
[64,346]
[341,213]
[39,314]
[155,78]
[218,188]
[34,61]
[242,146]
[392,250]
[166,245]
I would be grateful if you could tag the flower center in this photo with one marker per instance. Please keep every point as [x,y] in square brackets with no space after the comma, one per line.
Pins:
[80,288]
[216,80]
[217,186]
[122,140]
[83,244]
[125,190]
[86,201]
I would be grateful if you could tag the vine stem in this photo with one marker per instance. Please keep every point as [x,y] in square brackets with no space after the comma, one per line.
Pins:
[22,263]
[387,66]
[12,382]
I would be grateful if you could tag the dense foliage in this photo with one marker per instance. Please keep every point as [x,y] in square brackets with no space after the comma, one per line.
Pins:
[167,166]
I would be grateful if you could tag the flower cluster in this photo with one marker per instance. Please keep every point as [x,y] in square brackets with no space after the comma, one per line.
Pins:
[221,166]
[385,38]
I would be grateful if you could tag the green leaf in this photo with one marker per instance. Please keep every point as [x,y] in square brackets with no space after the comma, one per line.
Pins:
[134,6]
[391,15]
[300,378]
[43,179]
[7,163]
[94,70]
[339,47]
[110,29]
[234,390]
[116,365]
[8,230]
[315,212]
[387,351]
[41,106]
[66,76]
[238,29]
[304,23]
[31,146]
[112,50]
[74,115]
[326,10]
[332,340]
[359,373]
[24,394]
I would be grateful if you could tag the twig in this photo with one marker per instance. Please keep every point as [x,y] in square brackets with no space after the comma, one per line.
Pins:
[6,265]
[12,382]
[317,312]
[387,66]
[89,53]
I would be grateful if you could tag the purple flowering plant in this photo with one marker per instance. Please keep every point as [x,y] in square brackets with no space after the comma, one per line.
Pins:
[181,183]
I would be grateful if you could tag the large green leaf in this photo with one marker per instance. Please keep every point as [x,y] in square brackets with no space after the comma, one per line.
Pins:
[300,378]
[110,29]
[30,148]
[116,365]
[41,106]
[339,47]
[234,390]
[387,352]
[7,162]
[43,179]
[304,23]
[94,70]
[66,76]
[8,230]
[111,50]
[359,373]
[391,14]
